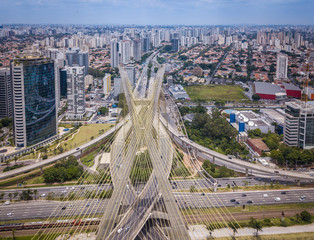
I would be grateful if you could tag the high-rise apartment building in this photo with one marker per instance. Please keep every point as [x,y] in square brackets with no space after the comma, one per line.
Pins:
[114,54]
[117,86]
[282,67]
[136,49]
[299,125]
[5,93]
[34,99]
[107,83]
[175,45]
[75,92]
[145,44]
[130,70]
[125,51]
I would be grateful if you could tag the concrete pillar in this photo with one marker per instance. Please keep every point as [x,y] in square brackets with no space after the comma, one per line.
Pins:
[215,187]
[41,170]
[213,159]
[298,182]
[246,172]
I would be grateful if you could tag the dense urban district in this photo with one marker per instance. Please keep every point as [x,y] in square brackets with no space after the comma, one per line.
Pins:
[237,102]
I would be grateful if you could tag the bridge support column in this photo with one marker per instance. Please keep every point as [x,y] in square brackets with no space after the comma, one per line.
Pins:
[213,159]
[246,172]
[41,170]
[298,182]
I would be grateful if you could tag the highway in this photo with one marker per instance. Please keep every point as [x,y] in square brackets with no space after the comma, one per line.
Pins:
[43,209]
[177,185]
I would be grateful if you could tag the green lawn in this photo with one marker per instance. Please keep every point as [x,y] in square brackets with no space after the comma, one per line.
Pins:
[84,135]
[215,92]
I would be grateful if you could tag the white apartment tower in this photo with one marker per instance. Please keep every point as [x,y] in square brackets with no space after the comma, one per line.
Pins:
[114,54]
[282,67]
[75,92]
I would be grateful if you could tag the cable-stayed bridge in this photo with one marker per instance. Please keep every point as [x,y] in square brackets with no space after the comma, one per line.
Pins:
[141,205]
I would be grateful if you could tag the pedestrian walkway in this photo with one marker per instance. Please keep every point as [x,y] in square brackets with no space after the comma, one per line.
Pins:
[198,232]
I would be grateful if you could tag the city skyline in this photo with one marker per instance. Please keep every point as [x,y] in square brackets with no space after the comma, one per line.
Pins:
[158,12]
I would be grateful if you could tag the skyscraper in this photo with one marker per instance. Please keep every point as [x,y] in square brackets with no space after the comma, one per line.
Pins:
[34,99]
[76,57]
[75,92]
[282,67]
[83,61]
[114,54]
[63,83]
[5,93]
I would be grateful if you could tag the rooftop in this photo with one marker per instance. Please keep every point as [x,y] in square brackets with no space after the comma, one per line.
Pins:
[267,88]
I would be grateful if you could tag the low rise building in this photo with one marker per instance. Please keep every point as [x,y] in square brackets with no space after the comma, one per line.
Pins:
[178,92]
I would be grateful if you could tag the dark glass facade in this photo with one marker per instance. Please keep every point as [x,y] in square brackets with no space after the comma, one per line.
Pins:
[63,83]
[40,101]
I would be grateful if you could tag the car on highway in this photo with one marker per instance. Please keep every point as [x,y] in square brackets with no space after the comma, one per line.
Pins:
[127,229]
[63,208]
[249,202]
[237,203]
[9,214]
[277,199]
[265,195]
[119,230]
[43,195]
[7,203]
[283,193]
[232,200]
[77,149]
[203,194]
[243,195]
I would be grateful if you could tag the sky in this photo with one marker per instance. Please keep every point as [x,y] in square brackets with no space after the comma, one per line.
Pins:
[157,12]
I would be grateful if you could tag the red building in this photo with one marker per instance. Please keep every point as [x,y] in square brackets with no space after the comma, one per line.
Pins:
[267,90]
[292,90]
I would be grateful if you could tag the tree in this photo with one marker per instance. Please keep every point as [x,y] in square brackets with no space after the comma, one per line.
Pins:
[306,216]
[2,195]
[234,227]
[26,195]
[36,193]
[257,225]
[256,97]
[103,111]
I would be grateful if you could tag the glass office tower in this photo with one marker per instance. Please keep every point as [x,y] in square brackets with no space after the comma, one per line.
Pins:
[34,99]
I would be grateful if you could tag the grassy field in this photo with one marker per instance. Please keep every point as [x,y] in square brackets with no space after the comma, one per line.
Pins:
[215,92]
[84,135]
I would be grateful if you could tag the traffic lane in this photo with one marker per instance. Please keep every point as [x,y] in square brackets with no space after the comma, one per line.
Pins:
[44,209]
[231,198]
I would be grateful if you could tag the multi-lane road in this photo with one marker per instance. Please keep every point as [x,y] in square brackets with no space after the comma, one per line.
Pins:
[44,209]
[176,185]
